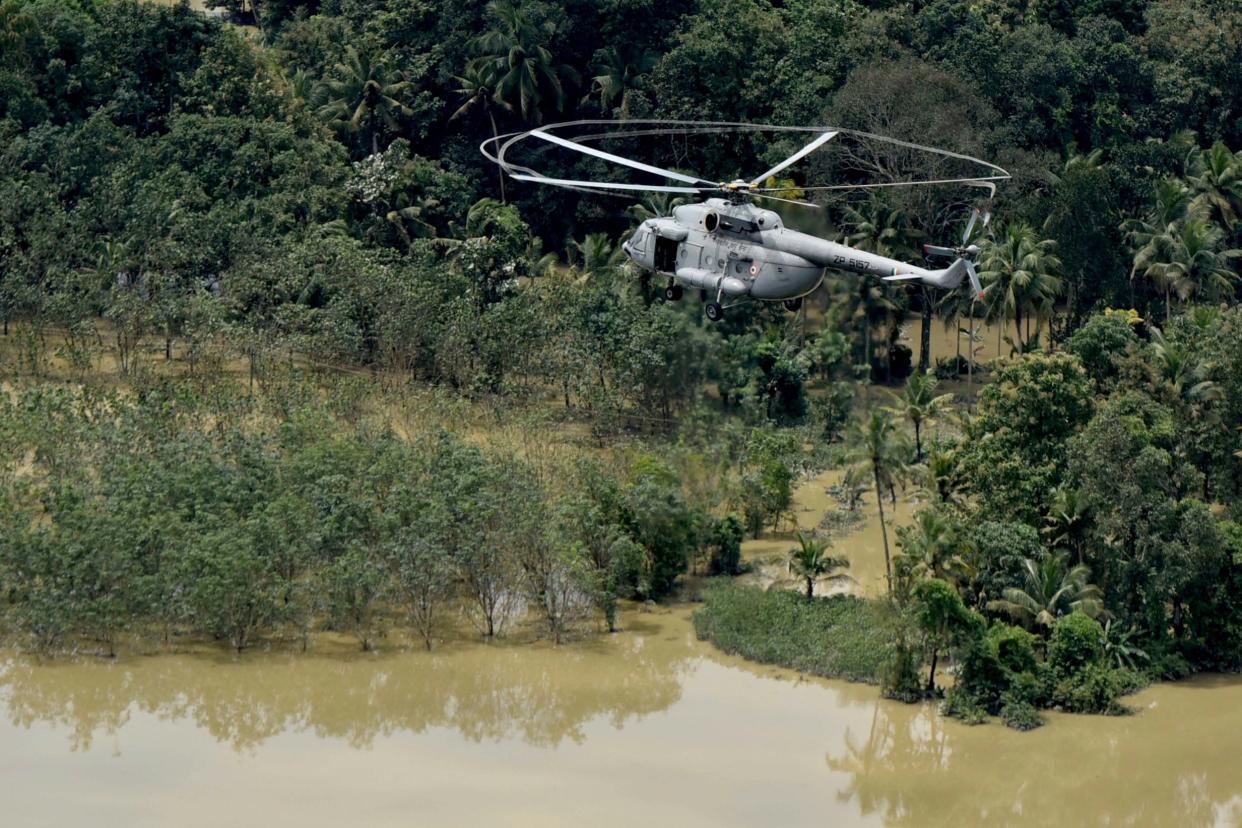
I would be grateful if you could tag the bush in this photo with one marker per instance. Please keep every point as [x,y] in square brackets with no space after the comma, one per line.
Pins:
[1020,714]
[1096,689]
[993,663]
[899,679]
[726,546]
[840,636]
[1077,641]
[962,705]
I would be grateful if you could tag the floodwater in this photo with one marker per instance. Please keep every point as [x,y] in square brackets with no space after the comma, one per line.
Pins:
[645,726]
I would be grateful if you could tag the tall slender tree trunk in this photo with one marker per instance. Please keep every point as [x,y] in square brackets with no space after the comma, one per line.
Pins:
[925,334]
[496,134]
[879,502]
[931,675]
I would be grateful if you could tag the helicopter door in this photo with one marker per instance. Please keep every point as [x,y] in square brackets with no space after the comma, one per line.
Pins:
[665,255]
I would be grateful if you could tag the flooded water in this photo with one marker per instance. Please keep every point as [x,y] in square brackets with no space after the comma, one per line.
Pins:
[646,725]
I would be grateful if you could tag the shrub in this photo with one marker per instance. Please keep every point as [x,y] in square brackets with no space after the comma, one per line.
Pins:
[1077,641]
[1020,714]
[840,636]
[962,705]
[1096,688]
[726,545]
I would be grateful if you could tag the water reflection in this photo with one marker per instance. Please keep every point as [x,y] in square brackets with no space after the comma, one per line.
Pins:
[648,721]
[1176,762]
[539,694]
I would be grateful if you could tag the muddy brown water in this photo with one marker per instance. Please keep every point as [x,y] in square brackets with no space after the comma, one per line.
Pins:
[648,726]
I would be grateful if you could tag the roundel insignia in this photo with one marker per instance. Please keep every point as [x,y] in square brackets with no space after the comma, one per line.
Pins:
[754,270]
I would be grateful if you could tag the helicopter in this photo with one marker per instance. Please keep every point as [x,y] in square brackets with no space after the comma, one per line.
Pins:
[734,251]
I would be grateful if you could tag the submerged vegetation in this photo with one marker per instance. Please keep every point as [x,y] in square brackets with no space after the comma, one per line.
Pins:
[282,353]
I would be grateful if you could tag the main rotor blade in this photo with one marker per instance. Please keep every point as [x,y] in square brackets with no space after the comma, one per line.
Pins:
[974,279]
[616,159]
[970,226]
[797,156]
[602,185]
[810,204]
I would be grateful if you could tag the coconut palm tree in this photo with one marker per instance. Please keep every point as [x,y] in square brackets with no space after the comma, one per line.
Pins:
[1191,263]
[933,547]
[618,70]
[1215,176]
[477,84]
[527,79]
[877,228]
[919,403]
[810,562]
[1153,234]
[1021,275]
[654,205]
[596,254]
[364,94]
[1066,521]
[878,444]
[1050,590]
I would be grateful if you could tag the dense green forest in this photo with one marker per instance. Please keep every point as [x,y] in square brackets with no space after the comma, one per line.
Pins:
[261,294]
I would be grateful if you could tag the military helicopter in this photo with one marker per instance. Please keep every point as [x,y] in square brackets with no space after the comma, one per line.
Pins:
[733,251]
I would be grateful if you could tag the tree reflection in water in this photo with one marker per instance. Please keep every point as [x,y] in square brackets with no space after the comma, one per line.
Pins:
[1171,764]
[540,694]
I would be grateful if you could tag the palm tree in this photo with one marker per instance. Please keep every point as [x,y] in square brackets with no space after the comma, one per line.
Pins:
[364,94]
[597,254]
[1021,276]
[1052,589]
[1191,264]
[932,548]
[811,562]
[618,70]
[1066,521]
[919,403]
[654,205]
[942,483]
[1215,175]
[875,227]
[477,84]
[526,76]
[878,443]
[1153,234]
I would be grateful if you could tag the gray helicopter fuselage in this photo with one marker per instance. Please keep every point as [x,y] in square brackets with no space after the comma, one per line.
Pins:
[740,250]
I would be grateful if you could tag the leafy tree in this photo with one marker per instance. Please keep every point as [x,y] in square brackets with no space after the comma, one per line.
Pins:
[943,618]
[424,578]
[1015,451]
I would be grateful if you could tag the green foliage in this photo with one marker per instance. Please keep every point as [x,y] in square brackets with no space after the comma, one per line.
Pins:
[727,534]
[1099,343]
[1015,453]
[1077,640]
[836,637]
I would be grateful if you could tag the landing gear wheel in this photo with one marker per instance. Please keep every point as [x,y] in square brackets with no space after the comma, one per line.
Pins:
[672,293]
[714,312]
[793,305]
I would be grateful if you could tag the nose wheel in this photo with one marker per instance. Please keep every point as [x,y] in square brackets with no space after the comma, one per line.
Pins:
[793,305]
[714,312]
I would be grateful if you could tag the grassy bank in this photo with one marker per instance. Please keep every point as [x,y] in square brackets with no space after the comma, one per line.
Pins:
[841,636]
